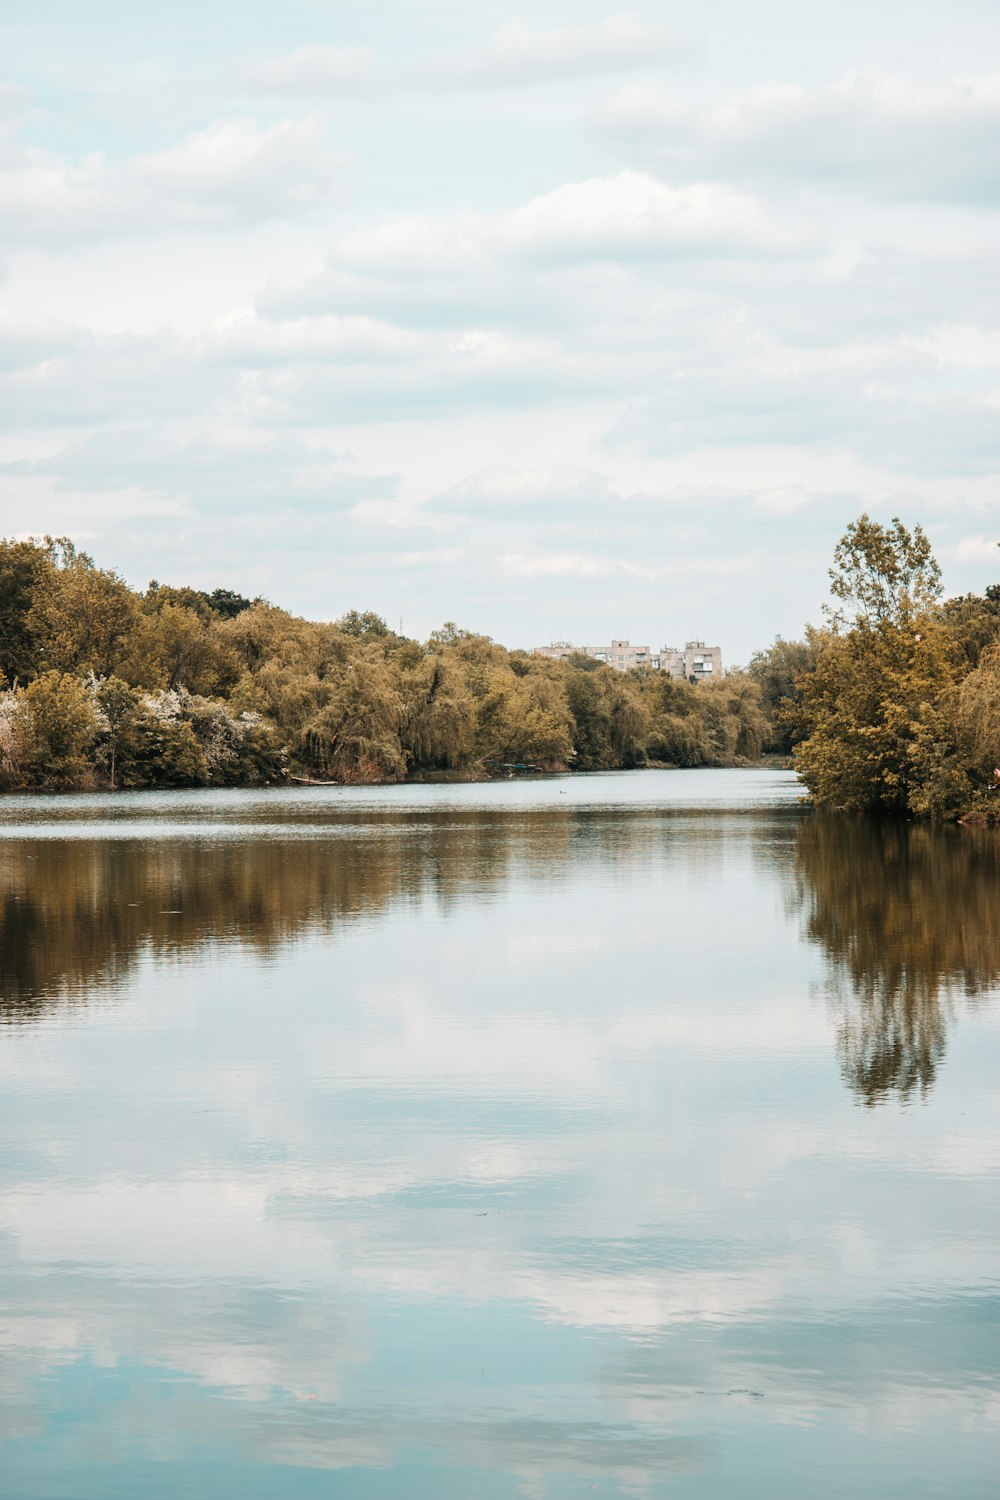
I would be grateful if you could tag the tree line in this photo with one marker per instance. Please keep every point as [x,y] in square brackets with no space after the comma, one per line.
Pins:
[892,705]
[102,685]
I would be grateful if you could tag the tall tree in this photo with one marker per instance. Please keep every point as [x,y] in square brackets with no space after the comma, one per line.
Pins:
[25,568]
[117,705]
[883,574]
[63,728]
[84,619]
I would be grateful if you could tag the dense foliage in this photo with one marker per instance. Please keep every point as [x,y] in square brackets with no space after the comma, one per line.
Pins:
[103,686]
[893,707]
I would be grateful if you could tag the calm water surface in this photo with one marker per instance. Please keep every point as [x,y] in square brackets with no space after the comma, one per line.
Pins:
[631,1135]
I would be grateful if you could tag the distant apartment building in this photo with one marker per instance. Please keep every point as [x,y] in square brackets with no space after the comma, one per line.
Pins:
[696,662]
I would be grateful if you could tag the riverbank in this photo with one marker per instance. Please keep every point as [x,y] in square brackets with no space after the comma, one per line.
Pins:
[420,778]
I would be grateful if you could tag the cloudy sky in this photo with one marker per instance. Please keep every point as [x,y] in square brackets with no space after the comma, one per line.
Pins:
[557,321]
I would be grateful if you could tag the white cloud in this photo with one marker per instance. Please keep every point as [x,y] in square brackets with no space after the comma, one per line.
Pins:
[304,373]
[13,98]
[546,357]
[785,500]
[627,217]
[543,490]
[221,469]
[417,246]
[26,339]
[252,340]
[974,549]
[230,175]
[93,379]
[635,216]
[314,70]
[556,565]
[962,345]
[477,369]
[520,53]
[423,557]
[597,564]
[886,137]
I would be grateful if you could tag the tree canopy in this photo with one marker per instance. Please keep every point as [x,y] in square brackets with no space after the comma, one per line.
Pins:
[182,686]
[892,714]
[885,574]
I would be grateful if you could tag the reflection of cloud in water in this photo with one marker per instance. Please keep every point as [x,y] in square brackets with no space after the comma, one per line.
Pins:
[255,1367]
[238,1337]
[473,1139]
[865,1373]
[909,921]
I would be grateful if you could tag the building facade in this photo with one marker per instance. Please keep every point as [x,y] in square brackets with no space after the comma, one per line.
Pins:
[696,662]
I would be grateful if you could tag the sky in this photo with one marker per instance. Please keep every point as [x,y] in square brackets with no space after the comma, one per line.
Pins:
[560,322]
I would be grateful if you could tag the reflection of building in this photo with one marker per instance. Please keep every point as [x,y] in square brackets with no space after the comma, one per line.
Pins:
[696,661]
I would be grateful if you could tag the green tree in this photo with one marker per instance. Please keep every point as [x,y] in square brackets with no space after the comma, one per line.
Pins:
[238,747]
[677,729]
[591,713]
[158,595]
[161,752]
[869,710]
[437,727]
[865,708]
[734,726]
[63,728]
[449,634]
[177,647]
[25,569]
[959,748]
[974,624]
[227,604]
[362,623]
[776,672]
[84,619]
[629,721]
[355,735]
[883,574]
[117,705]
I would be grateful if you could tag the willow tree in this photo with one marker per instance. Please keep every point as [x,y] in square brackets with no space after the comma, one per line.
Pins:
[438,720]
[517,719]
[355,736]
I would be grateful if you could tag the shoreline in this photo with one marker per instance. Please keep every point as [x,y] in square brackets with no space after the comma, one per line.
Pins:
[424,778]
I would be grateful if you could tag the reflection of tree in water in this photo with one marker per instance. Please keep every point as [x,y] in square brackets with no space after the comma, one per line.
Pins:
[909,919]
[76,913]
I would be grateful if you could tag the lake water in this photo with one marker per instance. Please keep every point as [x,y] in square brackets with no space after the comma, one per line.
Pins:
[626,1135]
